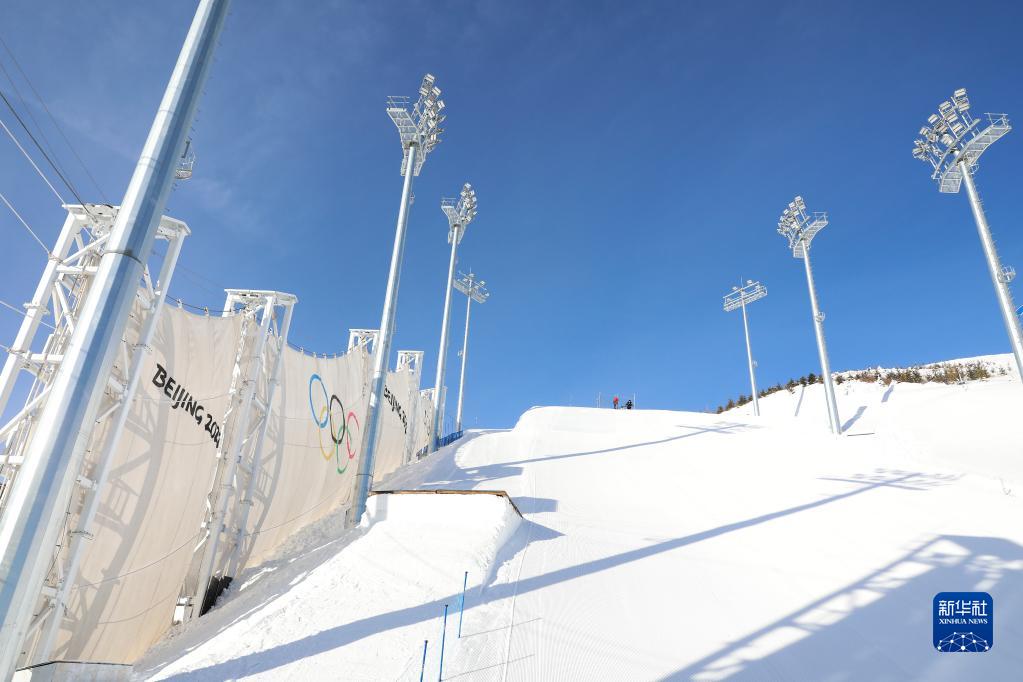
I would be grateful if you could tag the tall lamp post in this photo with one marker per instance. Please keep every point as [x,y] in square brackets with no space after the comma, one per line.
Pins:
[474,291]
[460,213]
[740,297]
[952,142]
[800,228]
[419,129]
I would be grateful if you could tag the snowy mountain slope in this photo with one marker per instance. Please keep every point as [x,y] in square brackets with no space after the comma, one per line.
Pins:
[672,545]
[372,589]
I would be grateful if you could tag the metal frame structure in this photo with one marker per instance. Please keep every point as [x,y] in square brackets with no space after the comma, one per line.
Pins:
[359,338]
[740,297]
[419,130]
[427,395]
[412,362]
[460,212]
[256,375]
[800,227]
[952,143]
[38,498]
[474,290]
[62,290]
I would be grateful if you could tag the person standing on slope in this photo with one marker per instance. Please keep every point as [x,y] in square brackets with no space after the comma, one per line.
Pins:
[615,402]
[628,404]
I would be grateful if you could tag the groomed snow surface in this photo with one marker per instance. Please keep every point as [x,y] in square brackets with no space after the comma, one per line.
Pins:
[658,545]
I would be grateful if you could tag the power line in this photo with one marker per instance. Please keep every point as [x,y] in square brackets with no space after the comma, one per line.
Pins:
[7,305]
[53,119]
[28,111]
[18,216]
[41,150]
[26,155]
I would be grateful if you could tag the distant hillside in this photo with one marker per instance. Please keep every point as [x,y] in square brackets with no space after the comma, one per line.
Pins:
[957,371]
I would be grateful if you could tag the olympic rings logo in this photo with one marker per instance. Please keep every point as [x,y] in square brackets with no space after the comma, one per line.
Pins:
[329,414]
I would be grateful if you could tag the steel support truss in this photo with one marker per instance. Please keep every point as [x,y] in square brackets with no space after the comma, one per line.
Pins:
[412,361]
[62,290]
[427,395]
[363,338]
[257,364]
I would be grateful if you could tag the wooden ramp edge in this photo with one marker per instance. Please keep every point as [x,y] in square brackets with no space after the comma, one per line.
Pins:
[437,491]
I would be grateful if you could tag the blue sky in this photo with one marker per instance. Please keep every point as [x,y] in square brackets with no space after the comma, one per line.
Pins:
[631,160]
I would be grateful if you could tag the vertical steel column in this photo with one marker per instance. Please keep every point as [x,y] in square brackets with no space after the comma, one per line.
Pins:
[31,524]
[364,474]
[749,356]
[994,266]
[822,348]
[245,504]
[92,495]
[465,354]
[439,395]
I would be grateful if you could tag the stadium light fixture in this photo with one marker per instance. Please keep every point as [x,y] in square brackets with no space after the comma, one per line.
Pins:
[474,290]
[740,297]
[800,227]
[952,144]
[419,131]
[460,212]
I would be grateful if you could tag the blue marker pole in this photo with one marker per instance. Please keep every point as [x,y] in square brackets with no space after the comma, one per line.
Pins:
[443,634]
[461,606]
[422,670]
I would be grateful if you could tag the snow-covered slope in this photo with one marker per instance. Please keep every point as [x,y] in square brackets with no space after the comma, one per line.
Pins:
[663,545]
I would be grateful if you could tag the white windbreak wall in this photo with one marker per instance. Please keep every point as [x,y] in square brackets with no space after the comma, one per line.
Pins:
[152,505]
[394,420]
[312,448]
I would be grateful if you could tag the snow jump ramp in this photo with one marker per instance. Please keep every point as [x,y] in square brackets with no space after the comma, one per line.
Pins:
[359,605]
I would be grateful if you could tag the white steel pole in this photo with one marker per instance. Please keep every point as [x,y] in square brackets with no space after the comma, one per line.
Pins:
[465,354]
[31,524]
[749,356]
[994,266]
[245,504]
[822,349]
[438,395]
[92,500]
[364,474]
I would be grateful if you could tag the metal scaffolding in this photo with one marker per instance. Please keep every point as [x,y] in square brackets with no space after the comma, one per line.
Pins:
[363,338]
[64,286]
[256,374]
[35,511]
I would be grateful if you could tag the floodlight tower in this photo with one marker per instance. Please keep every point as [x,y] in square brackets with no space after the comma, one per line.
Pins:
[740,297]
[419,130]
[474,290]
[460,213]
[952,143]
[800,228]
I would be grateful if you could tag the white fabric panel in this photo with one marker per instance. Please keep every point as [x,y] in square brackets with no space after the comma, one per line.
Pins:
[394,420]
[312,447]
[151,509]
[153,504]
